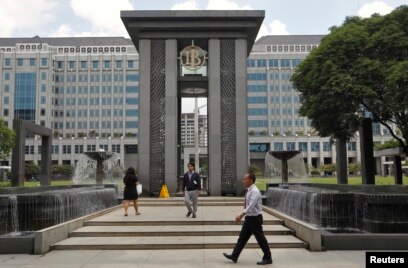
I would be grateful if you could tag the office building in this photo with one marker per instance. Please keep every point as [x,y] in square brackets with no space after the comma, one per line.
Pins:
[87,91]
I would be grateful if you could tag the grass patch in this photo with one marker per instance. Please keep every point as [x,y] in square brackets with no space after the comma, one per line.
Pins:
[379,180]
[37,183]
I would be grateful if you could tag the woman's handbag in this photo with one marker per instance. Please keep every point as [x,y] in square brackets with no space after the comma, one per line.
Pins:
[139,189]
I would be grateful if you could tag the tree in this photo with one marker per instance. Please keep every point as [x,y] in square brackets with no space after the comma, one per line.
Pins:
[328,168]
[31,170]
[255,170]
[7,137]
[66,170]
[360,66]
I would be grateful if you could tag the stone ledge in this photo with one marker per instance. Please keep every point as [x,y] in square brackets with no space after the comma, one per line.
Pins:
[44,238]
[303,230]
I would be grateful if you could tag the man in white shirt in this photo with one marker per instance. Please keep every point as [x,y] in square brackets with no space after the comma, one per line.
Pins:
[253,222]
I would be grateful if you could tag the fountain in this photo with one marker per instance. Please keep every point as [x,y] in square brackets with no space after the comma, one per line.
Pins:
[100,167]
[282,165]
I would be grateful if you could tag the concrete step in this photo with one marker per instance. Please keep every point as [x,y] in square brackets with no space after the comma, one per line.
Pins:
[171,242]
[179,201]
[172,230]
[181,204]
[171,222]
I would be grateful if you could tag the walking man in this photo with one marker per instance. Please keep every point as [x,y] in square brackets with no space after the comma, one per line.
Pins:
[253,222]
[191,186]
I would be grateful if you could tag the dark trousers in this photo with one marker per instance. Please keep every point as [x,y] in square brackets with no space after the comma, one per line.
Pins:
[252,225]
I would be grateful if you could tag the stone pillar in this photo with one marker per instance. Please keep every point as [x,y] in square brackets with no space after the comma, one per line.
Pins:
[214,115]
[367,153]
[144,114]
[171,115]
[341,162]
[18,154]
[46,151]
[242,145]
[397,170]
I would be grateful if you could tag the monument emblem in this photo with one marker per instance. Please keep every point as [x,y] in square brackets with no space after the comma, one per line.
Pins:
[193,57]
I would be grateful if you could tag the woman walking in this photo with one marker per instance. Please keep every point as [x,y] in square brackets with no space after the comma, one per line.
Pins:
[130,193]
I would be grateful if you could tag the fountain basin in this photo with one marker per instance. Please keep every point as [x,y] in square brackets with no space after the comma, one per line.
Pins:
[344,208]
[29,209]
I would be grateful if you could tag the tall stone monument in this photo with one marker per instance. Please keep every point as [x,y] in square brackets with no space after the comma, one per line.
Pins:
[193,54]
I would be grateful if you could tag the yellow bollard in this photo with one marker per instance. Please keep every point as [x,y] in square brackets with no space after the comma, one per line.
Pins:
[164,192]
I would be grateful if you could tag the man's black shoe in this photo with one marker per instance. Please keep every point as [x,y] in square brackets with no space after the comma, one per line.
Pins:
[264,262]
[188,214]
[230,257]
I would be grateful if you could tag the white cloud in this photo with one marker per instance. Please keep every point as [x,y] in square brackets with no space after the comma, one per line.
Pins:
[18,15]
[104,15]
[66,30]
[187,5]
[375,7]
[226,5]
[276,27]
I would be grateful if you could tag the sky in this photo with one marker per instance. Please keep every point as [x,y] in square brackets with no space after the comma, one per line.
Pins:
[68,18]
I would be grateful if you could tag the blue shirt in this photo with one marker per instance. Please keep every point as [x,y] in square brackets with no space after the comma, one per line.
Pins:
[253,201]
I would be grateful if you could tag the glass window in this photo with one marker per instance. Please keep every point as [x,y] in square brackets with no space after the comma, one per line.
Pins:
[20,62]
[6,100]
[44,61]
[43,100]
[6,76]
[278,146]
[60,64]
[5,112]
[132,89]
[131,124]
[131,101]
[32,62]
[118,64]
[25,96]
[43,76]
[71,64]
[131,149]
[315,146]
[250,63]
[351,146]
[303,146]
[285,63]
[66,149]
[7,62]
[84,64]
[130,64]
[273,63]
[107,64]
[259,147]
[261,63]
[327,146]
[131,112]
[290,146]
[132,77]
[95,64]
[116,148]
[6,88]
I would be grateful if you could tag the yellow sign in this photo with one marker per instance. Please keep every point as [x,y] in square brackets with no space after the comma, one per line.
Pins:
[164,193]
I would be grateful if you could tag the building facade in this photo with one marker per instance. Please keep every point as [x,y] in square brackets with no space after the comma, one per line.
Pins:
[87,91]
[84,89]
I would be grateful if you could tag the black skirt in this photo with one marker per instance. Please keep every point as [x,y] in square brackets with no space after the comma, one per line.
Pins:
[130,193]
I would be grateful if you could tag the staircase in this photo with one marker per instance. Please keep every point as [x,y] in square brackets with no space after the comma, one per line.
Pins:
[163,225]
